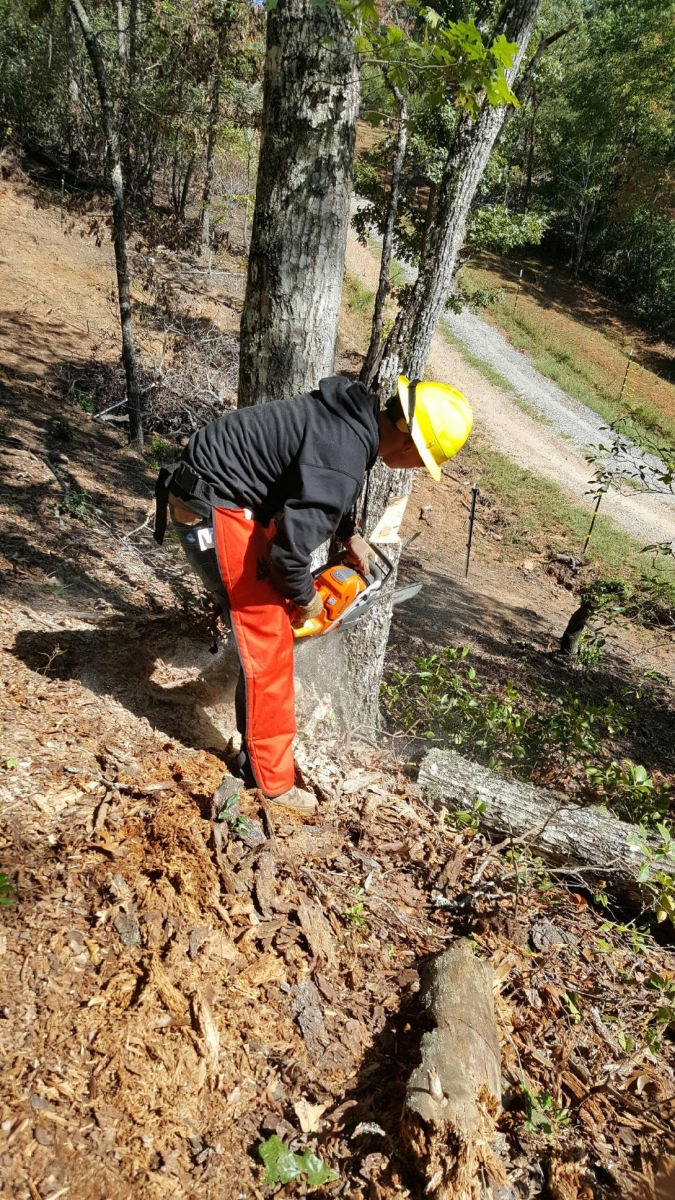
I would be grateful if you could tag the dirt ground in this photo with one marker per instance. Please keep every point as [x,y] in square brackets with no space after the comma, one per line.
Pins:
[161,1017]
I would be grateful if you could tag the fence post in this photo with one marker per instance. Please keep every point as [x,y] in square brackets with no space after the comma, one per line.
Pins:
[472,514]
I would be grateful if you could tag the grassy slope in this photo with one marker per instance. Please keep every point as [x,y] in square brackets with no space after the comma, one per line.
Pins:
[583,348]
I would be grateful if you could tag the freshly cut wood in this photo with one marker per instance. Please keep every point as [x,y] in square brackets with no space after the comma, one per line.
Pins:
[590,842]
[453,1097]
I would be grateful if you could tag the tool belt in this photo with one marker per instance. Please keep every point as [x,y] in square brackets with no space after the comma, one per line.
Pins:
[195,496]
[182,514]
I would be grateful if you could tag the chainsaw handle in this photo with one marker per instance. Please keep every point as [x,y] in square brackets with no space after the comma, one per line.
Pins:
[387,562]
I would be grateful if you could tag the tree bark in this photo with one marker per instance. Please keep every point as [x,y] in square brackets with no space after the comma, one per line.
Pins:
[296,261]
[454,1096]
[428,217]
[410,340]
[121,34]
[118,213]
[569,642]
[384,284]
[74,102]
[186,188]
[585,219]
[589,843]
[365,645]
[214,116]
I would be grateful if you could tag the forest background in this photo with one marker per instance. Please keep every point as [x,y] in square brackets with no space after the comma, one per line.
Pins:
[585,167]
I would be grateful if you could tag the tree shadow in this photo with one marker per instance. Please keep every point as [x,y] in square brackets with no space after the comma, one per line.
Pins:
[118,659]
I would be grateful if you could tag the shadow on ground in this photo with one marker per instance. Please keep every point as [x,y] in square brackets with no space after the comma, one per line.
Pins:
[119,659]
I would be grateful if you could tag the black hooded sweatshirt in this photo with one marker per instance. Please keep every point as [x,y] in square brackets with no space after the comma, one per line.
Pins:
[304,459]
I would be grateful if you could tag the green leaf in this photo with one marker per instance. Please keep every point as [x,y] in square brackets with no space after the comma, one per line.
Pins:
[283,1165]
[6,890]
[504,51]
[318,1172]
[11,764]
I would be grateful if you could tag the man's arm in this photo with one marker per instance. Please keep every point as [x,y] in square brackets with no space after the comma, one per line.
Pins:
[306,522]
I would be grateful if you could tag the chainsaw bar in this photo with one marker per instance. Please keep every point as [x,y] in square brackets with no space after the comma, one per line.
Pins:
[368,599]
[406,593]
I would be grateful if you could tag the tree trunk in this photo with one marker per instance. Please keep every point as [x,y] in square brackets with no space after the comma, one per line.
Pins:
[408,346]
[530,158]
[296,261]
[366,643]
[453,1097]
[569,642]
[134,6]
[214,115]
[588,843]
[428,218]
[410,340]
[182,205]
[175,185]
[121,35]
[74,102]
[384,284]
[119,235]
[249,150]
[582,234]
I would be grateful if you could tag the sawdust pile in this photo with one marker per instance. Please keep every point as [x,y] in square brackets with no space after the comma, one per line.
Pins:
[156,1028]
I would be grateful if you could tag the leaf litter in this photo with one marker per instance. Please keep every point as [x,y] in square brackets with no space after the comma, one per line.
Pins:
[165,1035]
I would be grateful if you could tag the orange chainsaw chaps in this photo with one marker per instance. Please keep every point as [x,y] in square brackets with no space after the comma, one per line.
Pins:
[262,631]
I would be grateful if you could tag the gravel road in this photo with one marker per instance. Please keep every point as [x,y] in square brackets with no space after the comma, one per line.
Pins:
[567,415]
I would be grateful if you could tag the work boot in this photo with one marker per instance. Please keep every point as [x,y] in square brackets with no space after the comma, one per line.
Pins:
[296,798]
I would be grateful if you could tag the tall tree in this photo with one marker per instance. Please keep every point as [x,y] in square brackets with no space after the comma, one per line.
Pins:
[114,166]
[410,339]
[296,261]
[407,346]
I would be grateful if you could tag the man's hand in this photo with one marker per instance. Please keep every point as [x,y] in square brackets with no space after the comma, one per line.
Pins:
[360,553]
[313,609]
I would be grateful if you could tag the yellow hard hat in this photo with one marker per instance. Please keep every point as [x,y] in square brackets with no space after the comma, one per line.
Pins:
[441,421]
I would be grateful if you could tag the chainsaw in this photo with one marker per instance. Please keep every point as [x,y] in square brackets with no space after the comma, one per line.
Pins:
[348,594]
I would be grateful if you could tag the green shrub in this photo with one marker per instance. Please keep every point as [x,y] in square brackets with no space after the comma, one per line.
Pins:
[160,453]
[76,503]
[549,738]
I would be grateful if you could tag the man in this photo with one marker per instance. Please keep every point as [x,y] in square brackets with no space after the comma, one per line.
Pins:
[255,493]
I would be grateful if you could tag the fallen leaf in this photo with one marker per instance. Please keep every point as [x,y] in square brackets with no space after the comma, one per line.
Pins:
[207,1028]
[309,1115]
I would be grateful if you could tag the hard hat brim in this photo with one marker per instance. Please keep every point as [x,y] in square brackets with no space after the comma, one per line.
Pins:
[425,454]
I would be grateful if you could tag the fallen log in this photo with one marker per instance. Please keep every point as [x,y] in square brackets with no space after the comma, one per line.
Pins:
[588,842]
[453,1097]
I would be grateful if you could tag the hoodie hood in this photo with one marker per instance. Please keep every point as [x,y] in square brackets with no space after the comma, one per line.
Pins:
[353,403]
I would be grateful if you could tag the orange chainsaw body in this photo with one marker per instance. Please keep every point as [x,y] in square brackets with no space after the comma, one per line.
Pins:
[339,586]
